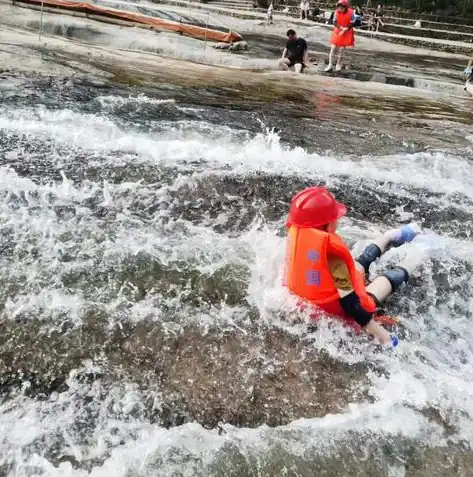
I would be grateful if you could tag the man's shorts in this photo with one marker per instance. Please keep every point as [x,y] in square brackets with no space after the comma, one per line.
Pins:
[293,61]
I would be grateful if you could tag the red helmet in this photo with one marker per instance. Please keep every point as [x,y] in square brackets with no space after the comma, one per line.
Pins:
[314,207]
[343,3]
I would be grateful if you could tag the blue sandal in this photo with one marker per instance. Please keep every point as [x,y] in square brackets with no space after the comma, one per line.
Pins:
[406,233]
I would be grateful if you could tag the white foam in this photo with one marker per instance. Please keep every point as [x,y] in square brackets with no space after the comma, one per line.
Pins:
[112,101]
[263,153]
[431,370]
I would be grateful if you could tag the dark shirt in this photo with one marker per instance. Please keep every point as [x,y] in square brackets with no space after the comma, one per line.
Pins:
[358,18]
[296,48]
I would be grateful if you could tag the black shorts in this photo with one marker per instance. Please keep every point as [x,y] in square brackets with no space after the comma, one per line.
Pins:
[295,61]
[352,307]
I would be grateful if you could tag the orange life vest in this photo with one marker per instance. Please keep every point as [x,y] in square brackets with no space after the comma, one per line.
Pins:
[307,272]
[343,19]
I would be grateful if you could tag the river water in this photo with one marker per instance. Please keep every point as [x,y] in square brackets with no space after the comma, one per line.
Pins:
[145,330]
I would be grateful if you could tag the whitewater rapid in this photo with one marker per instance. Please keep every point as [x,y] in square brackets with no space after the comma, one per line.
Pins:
[90,195]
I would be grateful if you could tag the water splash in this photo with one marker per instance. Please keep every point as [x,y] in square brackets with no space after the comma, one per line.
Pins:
[161,245]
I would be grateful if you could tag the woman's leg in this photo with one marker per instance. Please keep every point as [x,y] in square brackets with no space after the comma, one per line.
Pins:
[330,58]
[341,52]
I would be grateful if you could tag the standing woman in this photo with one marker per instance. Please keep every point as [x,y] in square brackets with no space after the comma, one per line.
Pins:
[306,9]
[343,35]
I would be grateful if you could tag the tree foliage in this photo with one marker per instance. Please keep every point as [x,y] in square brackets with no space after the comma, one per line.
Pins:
[435,7]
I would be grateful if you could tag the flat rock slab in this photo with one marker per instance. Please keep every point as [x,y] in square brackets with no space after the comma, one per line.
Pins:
[367,76]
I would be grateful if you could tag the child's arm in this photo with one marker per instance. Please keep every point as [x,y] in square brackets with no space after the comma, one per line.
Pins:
[341,278]
[378,331]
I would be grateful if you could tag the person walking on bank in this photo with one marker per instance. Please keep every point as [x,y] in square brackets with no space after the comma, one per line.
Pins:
[343,34]
[269,13]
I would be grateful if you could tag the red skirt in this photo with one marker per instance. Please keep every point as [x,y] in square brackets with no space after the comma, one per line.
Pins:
[346,39]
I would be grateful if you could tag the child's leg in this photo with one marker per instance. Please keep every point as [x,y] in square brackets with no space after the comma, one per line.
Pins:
[392,238]
[383,286]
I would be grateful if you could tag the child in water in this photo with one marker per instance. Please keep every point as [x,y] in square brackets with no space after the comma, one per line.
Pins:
[320,268]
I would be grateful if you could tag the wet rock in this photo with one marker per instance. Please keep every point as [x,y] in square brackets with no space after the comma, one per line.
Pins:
[260,376]
[221,46]
[245,379]
[239,46]
[363,455]
[236,46]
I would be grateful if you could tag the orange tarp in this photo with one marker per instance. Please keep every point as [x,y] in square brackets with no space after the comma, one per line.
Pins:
[194,31]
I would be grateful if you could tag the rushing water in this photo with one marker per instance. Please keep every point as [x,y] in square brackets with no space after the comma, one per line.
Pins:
[145,331]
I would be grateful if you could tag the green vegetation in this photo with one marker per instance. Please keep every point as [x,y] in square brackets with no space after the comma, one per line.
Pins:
[449,11]
[435,7]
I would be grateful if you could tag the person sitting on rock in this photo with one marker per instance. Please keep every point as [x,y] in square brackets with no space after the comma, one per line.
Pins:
[343,35]
[321,270]
[331,18]
[295,53]
[358,17]
[378,18]
[314,13]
